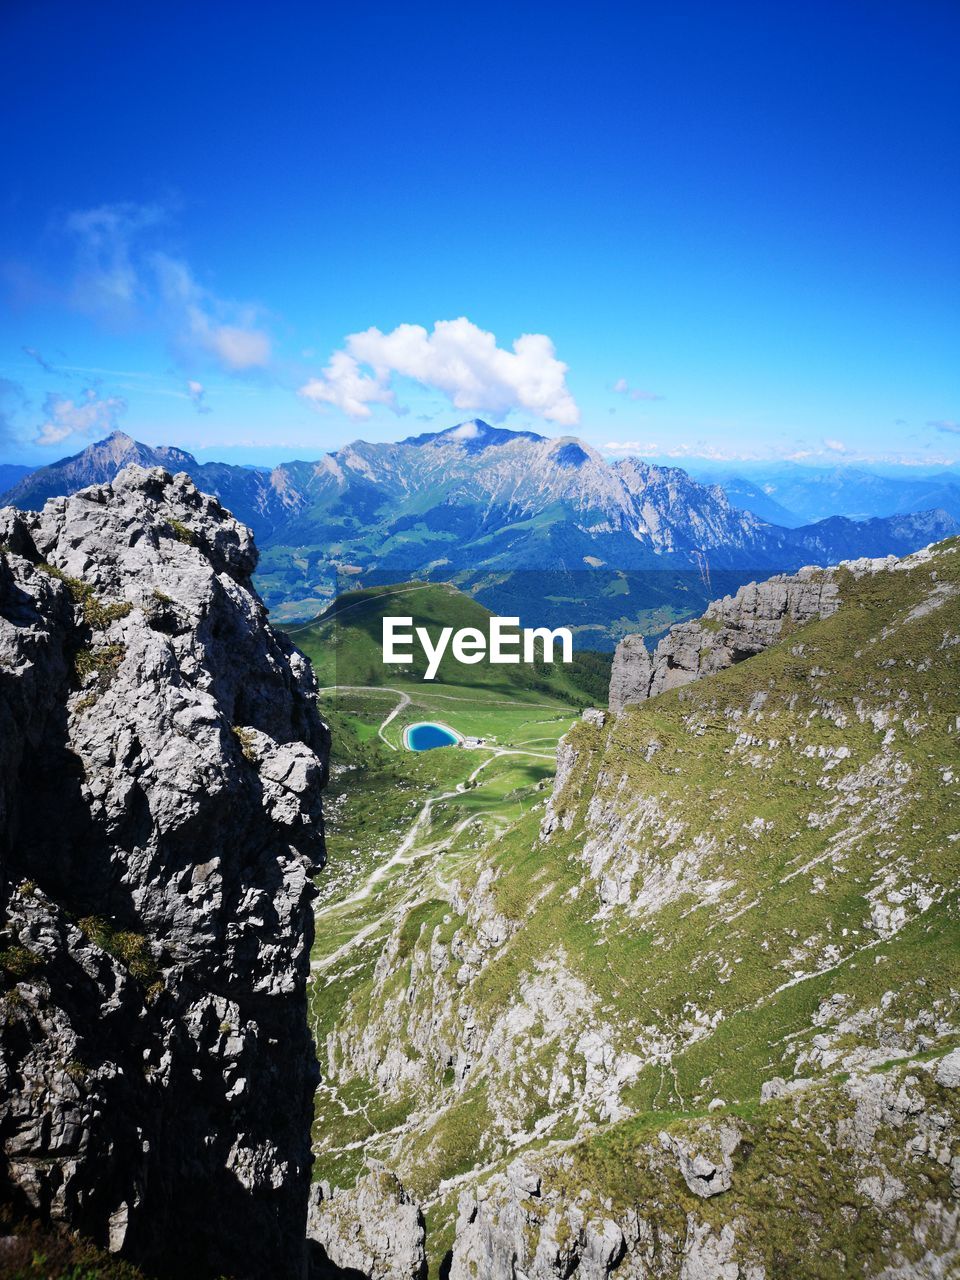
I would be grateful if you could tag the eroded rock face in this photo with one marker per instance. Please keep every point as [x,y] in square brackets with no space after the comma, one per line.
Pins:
[631,673]
[705,1175]
[537,1219]
[161,761]
[373,1229]
[732,629]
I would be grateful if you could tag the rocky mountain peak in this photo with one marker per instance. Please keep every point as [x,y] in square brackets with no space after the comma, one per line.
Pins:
[119,440]
[98,463]
[471,436]
[161,764]
[571,452]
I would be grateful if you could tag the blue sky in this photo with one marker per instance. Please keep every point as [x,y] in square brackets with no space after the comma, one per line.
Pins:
[259,233]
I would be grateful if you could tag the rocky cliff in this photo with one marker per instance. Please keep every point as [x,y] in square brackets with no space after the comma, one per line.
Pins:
[161,761]
[730,630]
[736,1199]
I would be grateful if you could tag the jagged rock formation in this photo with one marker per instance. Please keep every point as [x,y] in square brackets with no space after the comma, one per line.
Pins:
[161,760]
[373,1229]
[730,630]
[631,673]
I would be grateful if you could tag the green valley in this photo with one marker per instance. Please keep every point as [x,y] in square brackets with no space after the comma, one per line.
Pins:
[400,824]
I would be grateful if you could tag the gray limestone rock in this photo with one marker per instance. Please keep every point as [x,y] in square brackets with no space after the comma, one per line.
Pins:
[780,1088]
[373,1228]
[495,1241]
[948,1070]
[710,1255]
[730,630]
[704,1174]
[631,673]
[161,762]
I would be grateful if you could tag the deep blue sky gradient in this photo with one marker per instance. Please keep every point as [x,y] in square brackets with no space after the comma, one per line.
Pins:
[750,209]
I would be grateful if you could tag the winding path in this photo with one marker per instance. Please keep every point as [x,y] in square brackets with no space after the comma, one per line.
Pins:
[407,851]
[403,700]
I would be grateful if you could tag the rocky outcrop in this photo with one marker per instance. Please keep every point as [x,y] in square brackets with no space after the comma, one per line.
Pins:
[568,761]
[161,761]
[705,1175]
[494,1245]
[631,673]
[732,629]
[373,1229]
[542,1218]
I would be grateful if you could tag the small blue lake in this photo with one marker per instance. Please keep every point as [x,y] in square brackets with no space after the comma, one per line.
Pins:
[424,737]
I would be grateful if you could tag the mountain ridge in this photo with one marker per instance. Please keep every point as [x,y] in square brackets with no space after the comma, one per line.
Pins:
[477,500]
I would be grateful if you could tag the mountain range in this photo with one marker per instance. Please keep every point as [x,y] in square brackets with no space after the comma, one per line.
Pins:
[793,494]
[688,1011]
[494,510]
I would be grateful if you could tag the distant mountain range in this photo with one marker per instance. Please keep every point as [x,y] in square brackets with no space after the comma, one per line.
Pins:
[495,511]
[792,494]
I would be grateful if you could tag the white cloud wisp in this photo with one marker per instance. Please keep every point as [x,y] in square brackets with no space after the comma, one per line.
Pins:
[623,388]
[119,274]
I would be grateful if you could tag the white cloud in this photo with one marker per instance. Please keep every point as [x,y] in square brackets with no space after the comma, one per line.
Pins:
[108,276]
[87,415]
[344,386]
[457,358]
[698,450]
[630,446]
[234,347]
[198,396]
[623,388]
[121,273]
[835,446]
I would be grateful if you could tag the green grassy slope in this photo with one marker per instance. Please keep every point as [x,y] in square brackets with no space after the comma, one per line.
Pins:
[376,786]
[750,877]
[345,645]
